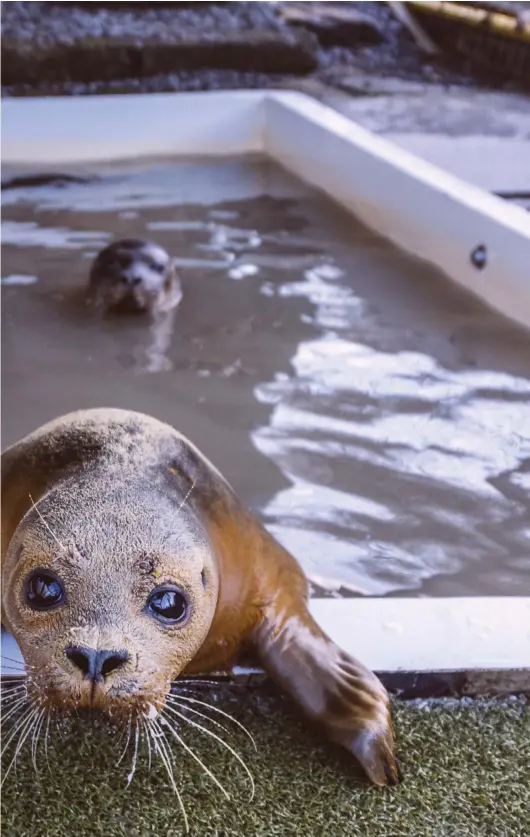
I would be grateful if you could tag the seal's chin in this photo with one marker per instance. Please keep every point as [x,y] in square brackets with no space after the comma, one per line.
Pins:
[133,302]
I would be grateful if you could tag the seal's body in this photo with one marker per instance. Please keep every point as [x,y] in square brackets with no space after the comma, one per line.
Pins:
[134,276]
[128,561]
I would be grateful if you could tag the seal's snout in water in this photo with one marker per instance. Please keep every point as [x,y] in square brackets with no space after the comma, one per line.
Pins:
[128,560]
[134,276]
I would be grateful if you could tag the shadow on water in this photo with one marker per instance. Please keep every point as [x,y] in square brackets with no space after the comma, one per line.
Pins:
[375,416]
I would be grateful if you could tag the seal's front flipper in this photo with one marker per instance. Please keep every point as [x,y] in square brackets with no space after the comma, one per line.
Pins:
[334,689]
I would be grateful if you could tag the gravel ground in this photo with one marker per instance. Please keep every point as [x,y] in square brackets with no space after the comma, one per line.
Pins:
[38,25]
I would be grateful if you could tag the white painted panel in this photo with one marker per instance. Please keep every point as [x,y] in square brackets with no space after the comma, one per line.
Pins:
[421,208]
[91,128]
[430,634]
[416,634]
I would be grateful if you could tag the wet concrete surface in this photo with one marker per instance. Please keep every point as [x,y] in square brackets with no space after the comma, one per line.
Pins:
[376,417]
[482,136]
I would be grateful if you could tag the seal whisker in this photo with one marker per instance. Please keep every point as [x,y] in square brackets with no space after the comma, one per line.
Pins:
[20,679]
[13,660]
[15,678]
[7,697]
[16,707]
[148,740]
[35,739]
[135,753]
[188,749]
[22,666]
[184,501]
[58,728]
[193,681]
[24,731]
[5,691]
[221,741]
[186,708]
[54,536]
[25,734]
[46,740]
[18,724]
[7,701]
[220,712]
[160,742]
[126,743]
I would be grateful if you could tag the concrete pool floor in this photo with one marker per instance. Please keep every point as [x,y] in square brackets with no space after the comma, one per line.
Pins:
[465,766]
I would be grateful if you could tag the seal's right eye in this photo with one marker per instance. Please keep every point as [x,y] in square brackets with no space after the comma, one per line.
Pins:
[43,590]
[167,605]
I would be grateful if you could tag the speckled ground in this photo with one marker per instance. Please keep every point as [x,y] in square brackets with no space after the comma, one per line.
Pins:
[465,773]
[43,24]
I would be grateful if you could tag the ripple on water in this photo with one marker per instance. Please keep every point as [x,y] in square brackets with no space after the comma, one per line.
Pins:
[377,417]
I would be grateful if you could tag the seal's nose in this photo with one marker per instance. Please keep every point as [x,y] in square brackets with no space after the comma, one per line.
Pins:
[96,665]
[130,280]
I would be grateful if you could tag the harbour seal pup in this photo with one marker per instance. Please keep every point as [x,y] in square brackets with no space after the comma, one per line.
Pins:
[128,561]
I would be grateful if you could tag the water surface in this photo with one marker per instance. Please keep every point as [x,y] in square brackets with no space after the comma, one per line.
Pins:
[376,417]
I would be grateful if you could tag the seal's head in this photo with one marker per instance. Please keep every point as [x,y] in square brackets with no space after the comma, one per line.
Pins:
[109,593]
[134,276]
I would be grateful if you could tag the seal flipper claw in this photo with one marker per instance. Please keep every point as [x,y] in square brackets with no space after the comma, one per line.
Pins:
[334,689]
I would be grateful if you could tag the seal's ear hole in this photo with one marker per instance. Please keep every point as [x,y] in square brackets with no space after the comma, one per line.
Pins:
[203,579]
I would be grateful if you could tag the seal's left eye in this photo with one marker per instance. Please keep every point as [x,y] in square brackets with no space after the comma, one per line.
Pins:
[43,590]
[168,605]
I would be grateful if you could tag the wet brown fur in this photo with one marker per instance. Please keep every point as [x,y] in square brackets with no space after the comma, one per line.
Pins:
[125,502]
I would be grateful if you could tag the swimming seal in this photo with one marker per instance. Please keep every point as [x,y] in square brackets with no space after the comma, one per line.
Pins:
[128,560]
[134,276]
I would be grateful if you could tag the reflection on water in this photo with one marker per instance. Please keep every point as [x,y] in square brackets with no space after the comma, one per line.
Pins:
[375,416]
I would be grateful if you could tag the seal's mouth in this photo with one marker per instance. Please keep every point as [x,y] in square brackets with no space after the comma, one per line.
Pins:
[91,713]
[118,710]
[133,302]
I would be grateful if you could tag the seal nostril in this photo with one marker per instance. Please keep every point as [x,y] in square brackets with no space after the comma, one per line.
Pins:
[136,280]
[82,658]
[109,661]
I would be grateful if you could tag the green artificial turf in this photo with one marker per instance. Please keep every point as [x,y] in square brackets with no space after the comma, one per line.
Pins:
[466,771]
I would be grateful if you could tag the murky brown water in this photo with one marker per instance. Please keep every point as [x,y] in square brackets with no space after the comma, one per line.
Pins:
[376,417]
